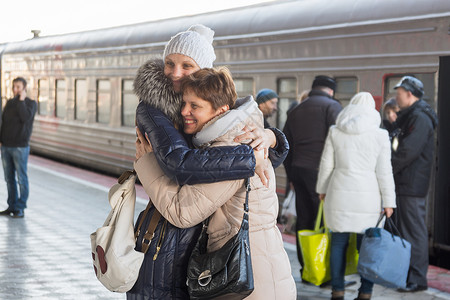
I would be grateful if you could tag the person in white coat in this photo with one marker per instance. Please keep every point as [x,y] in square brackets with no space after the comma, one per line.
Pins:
[355,174]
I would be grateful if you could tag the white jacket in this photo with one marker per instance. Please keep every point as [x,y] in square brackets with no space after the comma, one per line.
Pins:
[355,169]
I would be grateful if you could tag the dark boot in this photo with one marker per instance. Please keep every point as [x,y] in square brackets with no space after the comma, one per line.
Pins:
[6,212]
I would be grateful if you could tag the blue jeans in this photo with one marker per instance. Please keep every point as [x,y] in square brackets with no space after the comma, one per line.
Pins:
[339,243]
[14,161]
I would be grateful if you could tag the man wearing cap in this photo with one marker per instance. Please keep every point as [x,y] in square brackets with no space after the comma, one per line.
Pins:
[306,129]
[412,160]
[267,101]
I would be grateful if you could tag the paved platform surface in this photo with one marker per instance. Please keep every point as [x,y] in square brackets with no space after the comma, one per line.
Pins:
[47,254]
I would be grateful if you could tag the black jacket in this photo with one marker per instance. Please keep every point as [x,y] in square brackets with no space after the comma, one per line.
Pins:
[17,122]
[413,159]
[306,129]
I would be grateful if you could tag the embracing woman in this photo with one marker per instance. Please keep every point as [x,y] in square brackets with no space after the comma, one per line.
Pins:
[211,113]
[158,85]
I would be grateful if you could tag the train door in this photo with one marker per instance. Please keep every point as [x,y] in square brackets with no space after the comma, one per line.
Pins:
[441,222]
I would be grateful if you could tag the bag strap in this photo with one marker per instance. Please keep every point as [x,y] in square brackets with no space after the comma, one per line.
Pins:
[319,217]
[380,218]
[392,228]
[247,191]
[125,175]
[150,233]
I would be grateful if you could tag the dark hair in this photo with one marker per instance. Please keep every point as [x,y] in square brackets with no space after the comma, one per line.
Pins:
[214,85]
[390,104]
[21,79]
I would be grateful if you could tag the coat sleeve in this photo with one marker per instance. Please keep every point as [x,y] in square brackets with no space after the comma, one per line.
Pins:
[278,154]
[412,142]
[384,174]
[192,166]
[326,165]
[26,110]
[187,205]
[288,161]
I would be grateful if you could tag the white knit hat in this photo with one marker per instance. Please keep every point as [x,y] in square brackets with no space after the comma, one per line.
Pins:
[196,43]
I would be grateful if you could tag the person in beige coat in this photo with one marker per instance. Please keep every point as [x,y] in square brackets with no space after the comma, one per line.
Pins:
[208,95]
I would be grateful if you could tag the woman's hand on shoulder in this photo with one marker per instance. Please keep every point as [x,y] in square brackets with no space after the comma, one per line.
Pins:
[143,145]
[260,139]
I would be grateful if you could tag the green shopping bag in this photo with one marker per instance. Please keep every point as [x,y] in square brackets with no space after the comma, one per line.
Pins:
[315,246]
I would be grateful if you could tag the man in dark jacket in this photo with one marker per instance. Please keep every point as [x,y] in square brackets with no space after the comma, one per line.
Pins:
[412,160]
[15,132]
[306,130]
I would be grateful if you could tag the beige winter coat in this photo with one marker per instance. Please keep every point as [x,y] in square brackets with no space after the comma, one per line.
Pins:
[189,205]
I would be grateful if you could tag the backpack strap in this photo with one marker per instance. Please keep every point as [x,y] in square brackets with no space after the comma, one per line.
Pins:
[150,233]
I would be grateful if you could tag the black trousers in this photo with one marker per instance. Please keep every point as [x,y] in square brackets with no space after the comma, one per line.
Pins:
[306,201]
[410,221]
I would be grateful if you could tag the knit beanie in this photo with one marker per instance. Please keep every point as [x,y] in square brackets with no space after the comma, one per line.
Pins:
[265,95]
[196,43]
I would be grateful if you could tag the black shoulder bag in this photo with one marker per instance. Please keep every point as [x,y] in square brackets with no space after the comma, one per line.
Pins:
[225,273]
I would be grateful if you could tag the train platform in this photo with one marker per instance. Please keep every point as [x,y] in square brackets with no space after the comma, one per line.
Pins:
[47,254]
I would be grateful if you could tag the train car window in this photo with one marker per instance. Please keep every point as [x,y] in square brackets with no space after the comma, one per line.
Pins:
[346,88]
[43,95]
[103,101]
[429,86]
[244,86]
[129,103]
[61,98]
[287,93]
[81,99]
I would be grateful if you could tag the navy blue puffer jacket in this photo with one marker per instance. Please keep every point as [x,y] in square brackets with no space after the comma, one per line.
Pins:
[163,276]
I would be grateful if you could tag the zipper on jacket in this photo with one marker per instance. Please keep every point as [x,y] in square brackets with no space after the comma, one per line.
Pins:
[160,240]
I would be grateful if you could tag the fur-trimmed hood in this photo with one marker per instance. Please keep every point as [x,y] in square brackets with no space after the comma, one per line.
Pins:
[154,88]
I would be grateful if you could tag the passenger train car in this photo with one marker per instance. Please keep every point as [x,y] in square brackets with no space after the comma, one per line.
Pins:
[83,81]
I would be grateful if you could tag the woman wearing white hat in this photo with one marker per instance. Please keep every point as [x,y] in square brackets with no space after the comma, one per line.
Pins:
[157,84]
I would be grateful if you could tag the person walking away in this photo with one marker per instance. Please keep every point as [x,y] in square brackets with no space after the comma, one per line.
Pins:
[355,180]
[306,129]
[208,96]
[267,100]
[412,162]
[15,132]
